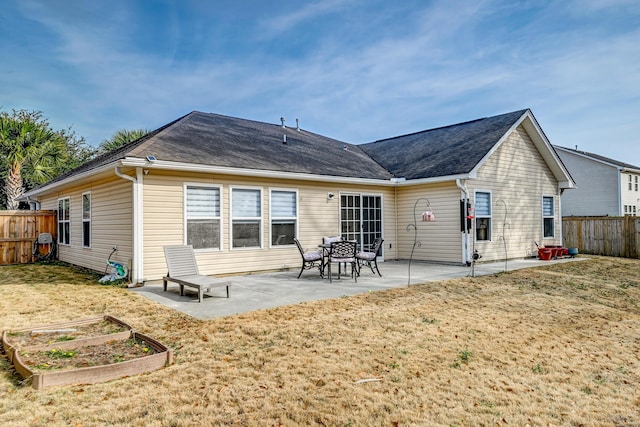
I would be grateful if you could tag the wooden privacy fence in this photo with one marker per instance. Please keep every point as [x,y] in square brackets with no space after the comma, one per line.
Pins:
[611,236]
[19,230]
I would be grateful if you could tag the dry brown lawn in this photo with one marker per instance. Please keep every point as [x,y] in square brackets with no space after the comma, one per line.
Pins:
[551,346]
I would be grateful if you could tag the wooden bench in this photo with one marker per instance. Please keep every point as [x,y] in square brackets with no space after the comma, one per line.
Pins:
[183,270]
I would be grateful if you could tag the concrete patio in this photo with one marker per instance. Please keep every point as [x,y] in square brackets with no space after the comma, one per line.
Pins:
[268,290]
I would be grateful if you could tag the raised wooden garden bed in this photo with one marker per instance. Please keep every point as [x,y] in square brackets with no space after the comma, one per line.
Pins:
[82,352]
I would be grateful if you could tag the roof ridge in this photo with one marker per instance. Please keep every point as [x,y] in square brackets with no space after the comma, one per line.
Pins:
[291,128]
[450,126]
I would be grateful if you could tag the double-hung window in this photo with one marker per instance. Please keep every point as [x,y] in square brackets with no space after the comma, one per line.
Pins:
[86,220]
[630,183]
[246,218]
[483,215]
[284,217]
[202,213]
[636,183]
[548,218]
[64,221]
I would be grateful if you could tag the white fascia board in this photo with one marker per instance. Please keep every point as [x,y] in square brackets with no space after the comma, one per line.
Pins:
[543,145]
[71,179]
[192,167]
[499,143]
[565,181]
[504,137]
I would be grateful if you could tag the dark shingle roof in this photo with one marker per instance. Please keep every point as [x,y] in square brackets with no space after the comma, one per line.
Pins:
[445,151]
[600,158]
[212,139]
[108,158]
[217,140]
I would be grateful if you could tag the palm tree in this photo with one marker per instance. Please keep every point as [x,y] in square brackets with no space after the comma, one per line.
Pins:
[120,138]
[26,138]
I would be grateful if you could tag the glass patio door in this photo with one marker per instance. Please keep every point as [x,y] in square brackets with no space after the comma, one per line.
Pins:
[361,218]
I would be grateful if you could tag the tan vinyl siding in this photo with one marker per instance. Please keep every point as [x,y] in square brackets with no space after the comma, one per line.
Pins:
[440,240]
[516,174]
[317,217]
[111,223]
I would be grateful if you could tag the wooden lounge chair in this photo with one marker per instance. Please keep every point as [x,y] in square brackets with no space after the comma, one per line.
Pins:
[183,270]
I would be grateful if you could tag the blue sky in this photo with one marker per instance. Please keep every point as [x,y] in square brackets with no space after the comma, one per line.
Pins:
[354,70]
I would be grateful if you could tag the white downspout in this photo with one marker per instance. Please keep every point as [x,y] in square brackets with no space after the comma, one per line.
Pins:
[619,208]
[465,238]
[395,196]
[34,205]
[560,215]
[136,267]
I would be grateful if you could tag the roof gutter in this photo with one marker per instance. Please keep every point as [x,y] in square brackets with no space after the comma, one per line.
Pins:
[70,179]
[191,167]
[137,261]
[438,179]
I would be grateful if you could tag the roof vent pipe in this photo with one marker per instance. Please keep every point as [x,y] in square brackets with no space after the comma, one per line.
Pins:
[282,119]
[284,139]
[298,124]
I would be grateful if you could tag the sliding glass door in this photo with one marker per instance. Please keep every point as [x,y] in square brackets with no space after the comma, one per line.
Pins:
[361,217]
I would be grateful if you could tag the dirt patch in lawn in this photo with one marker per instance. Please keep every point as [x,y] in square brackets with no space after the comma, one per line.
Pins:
[51,334]
[82,357]
[549,346]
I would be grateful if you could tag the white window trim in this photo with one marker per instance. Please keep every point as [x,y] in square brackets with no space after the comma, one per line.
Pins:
[64,221]
[271,218]
[260,219]
[544,217]
[490,216]
[87,220]
[220,218]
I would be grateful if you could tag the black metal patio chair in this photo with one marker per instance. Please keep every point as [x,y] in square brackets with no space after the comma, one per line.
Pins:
[309,259]
[343,252]
[370,256]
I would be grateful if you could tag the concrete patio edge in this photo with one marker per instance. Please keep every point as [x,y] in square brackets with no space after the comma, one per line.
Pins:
[263,291]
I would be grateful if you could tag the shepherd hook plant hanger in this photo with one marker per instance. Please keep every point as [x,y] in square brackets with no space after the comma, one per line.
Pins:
[505,224]
[426,216]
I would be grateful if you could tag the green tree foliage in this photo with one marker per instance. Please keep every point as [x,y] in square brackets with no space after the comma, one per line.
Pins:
[32,153]
[120,138]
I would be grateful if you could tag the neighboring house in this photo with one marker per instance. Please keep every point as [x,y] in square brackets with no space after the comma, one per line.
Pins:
[605,187]
[240,190]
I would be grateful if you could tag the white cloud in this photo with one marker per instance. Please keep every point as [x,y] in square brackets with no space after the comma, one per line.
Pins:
[373,78]
[300,14]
